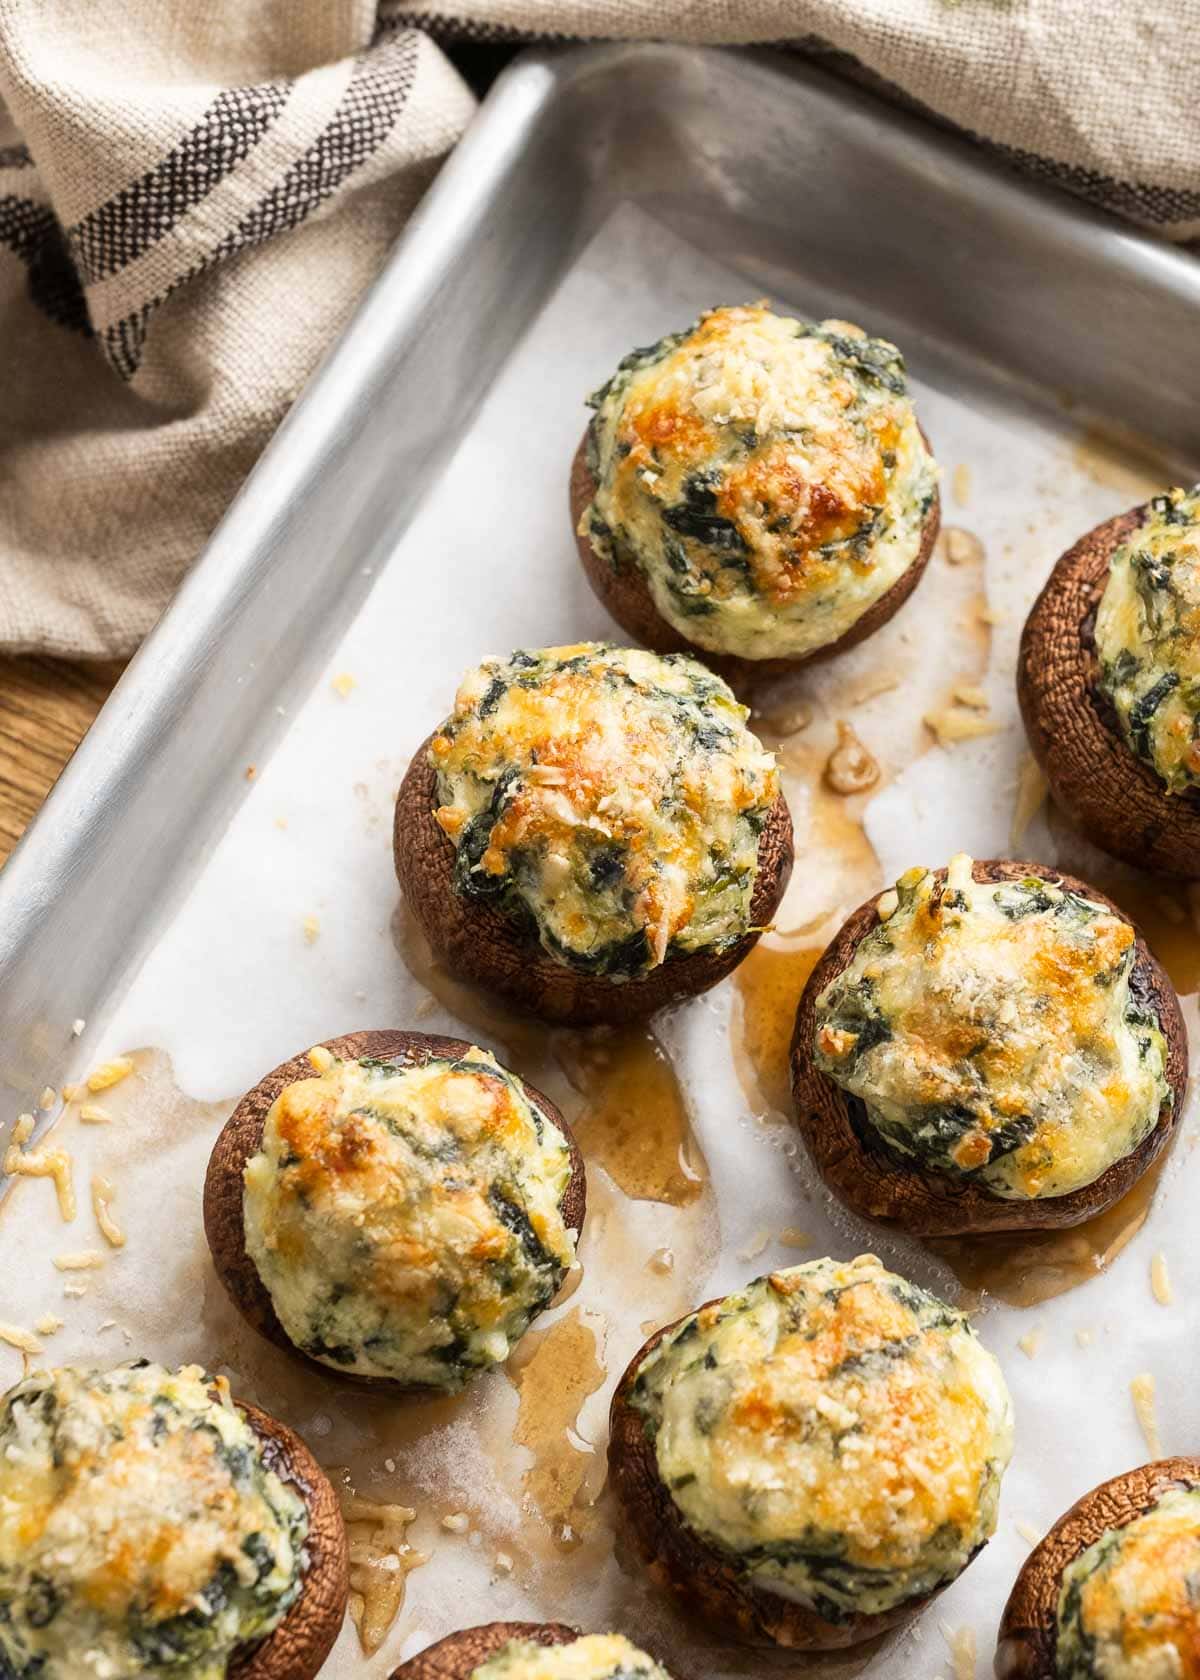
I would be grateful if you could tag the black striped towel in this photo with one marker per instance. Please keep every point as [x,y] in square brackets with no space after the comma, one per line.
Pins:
[192,198]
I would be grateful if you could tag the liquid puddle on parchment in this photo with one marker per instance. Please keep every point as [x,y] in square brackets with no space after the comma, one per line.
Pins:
[633,1119]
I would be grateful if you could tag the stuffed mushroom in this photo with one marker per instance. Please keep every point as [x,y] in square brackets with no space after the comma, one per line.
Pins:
[531,1651]
[394,1207]
[1110,1593]
[151,1527]
[1109,684]
[809,1460]
[988,1047]
[593,832]
[755,488]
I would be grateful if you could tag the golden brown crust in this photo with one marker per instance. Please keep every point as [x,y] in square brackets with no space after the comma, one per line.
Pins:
[1026,1649]
[1099,782]
[458,1655]
[880,1184]
[626,595]
[487,947]
[240,1138]
[705,1579]
[305,1637]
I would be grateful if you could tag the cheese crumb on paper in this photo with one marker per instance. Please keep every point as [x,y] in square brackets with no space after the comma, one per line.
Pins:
[1142,1391]
[103,1196]
[109,1073]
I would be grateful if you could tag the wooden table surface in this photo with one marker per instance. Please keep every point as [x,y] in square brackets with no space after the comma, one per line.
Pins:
[46,706]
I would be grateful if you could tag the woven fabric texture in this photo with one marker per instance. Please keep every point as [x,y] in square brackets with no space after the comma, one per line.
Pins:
[192,198]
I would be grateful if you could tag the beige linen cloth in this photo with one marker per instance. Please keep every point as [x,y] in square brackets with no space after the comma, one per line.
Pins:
[194,193]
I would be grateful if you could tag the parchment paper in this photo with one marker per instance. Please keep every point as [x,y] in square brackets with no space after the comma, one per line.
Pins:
[244,976]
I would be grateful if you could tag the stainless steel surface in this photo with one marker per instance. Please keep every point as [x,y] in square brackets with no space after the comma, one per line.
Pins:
[795,178]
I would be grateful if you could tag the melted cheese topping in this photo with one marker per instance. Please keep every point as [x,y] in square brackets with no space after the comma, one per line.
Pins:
[406,1221]
[1148,639]
[767,476]
[1129,1608]
[615,796]
[597,1656]
[991,1031]
[837,1431]
[140,1530]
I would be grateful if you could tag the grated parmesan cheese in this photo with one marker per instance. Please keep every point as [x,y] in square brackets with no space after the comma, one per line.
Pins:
[109,1073]
[1160,1280]
[961,1643]
[1142,1391]
[103,1195]
[85,1259]
[44,1163]
[952,724]
[20,1339]
[1030,1343]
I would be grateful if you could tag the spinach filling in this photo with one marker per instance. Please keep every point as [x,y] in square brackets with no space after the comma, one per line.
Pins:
[603,931]
[969,1048]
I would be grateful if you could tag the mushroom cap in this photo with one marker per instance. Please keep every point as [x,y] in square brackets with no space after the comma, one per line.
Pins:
[1028,1636]
[496,950]
[626,595]
[240,1138]
[1094,775]
[458,1655]
[703,1577]
[306,1635]
[880,1184]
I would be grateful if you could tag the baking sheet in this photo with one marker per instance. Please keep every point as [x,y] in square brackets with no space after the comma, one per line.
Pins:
[291,935]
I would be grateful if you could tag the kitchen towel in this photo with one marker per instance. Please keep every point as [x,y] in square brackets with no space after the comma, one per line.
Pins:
[192,198]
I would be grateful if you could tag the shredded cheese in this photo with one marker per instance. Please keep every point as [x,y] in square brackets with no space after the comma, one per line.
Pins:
[45,1163]
[1160,1280]
[84,1260]
[951,724]
[1030,1343]
[961,1643]
[109,1073]
[94,1114]
[103,1195]
[1142,1392]
[20,1339]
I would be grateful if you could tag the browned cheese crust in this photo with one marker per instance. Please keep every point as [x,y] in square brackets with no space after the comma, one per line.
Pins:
[458,1655]
[486,947]
[706,1580]
[1116,800]
[1027,1645]
[241,1137]
[880,1184]
[305,1637]
[625,593]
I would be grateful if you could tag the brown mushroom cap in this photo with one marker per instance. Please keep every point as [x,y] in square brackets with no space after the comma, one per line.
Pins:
[458,1655]
[879,1183]
[488,947]
[306,1635]
[1028,1638]
[703,1577]
[241,1137]
[626,595]
[1095,777]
